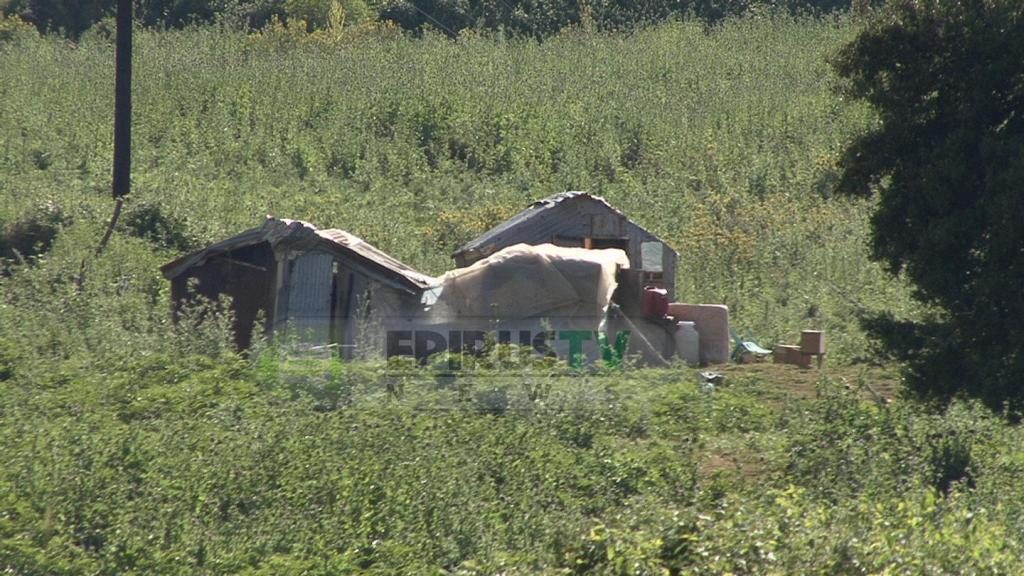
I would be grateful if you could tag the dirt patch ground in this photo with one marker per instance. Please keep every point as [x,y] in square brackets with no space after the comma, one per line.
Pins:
[776,385]
[782,381]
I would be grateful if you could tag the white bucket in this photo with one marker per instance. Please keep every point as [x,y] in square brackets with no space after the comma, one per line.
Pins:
[687,342]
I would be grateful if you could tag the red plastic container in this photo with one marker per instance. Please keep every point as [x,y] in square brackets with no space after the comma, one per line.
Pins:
[654,303]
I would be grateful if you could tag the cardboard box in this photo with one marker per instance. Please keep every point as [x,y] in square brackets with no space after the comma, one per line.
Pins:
[785,354]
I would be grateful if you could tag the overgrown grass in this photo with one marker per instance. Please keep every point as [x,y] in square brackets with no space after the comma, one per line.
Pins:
[243,467]
[723,141]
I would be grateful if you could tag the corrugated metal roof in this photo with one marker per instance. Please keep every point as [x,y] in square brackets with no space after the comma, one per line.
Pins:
[300,235]
[532,211]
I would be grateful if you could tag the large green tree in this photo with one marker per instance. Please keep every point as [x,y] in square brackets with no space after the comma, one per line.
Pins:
[946,161]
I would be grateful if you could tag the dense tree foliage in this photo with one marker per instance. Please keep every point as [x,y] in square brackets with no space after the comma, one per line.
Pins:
[947,163]
[73,17]
[532,18]
[541,18]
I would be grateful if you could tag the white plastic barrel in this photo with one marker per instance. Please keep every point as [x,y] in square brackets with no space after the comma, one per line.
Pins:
[712,322]
[687,342]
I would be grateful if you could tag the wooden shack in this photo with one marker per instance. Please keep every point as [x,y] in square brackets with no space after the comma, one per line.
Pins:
[325,286]
[578,219]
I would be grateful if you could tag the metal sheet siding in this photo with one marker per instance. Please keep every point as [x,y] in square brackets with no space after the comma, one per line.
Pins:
[563,220]
[609,225]
[309,297]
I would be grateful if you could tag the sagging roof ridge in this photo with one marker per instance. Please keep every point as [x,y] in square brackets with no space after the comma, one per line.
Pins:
[300,234]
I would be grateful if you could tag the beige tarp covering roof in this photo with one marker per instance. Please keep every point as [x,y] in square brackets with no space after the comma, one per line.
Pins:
[524,281]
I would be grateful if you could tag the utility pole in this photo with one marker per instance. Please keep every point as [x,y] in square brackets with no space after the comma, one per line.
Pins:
[122,116]
[123,101]
[122,126]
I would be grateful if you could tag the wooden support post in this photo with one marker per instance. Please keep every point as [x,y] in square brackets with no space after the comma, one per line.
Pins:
[122,122]
[123,101]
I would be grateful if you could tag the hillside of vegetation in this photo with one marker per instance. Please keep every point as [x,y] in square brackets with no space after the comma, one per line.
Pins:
[134,445]
[723,142]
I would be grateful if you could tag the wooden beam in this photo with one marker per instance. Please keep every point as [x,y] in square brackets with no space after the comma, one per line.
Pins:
[241,263]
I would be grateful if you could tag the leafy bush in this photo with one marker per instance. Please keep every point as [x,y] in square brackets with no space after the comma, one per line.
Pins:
[7,360]
[323,14]
[149,221]
[14,29]
[32,234]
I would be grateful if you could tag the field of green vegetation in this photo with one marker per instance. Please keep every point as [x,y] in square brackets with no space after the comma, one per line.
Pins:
[723,142]
[132,445]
